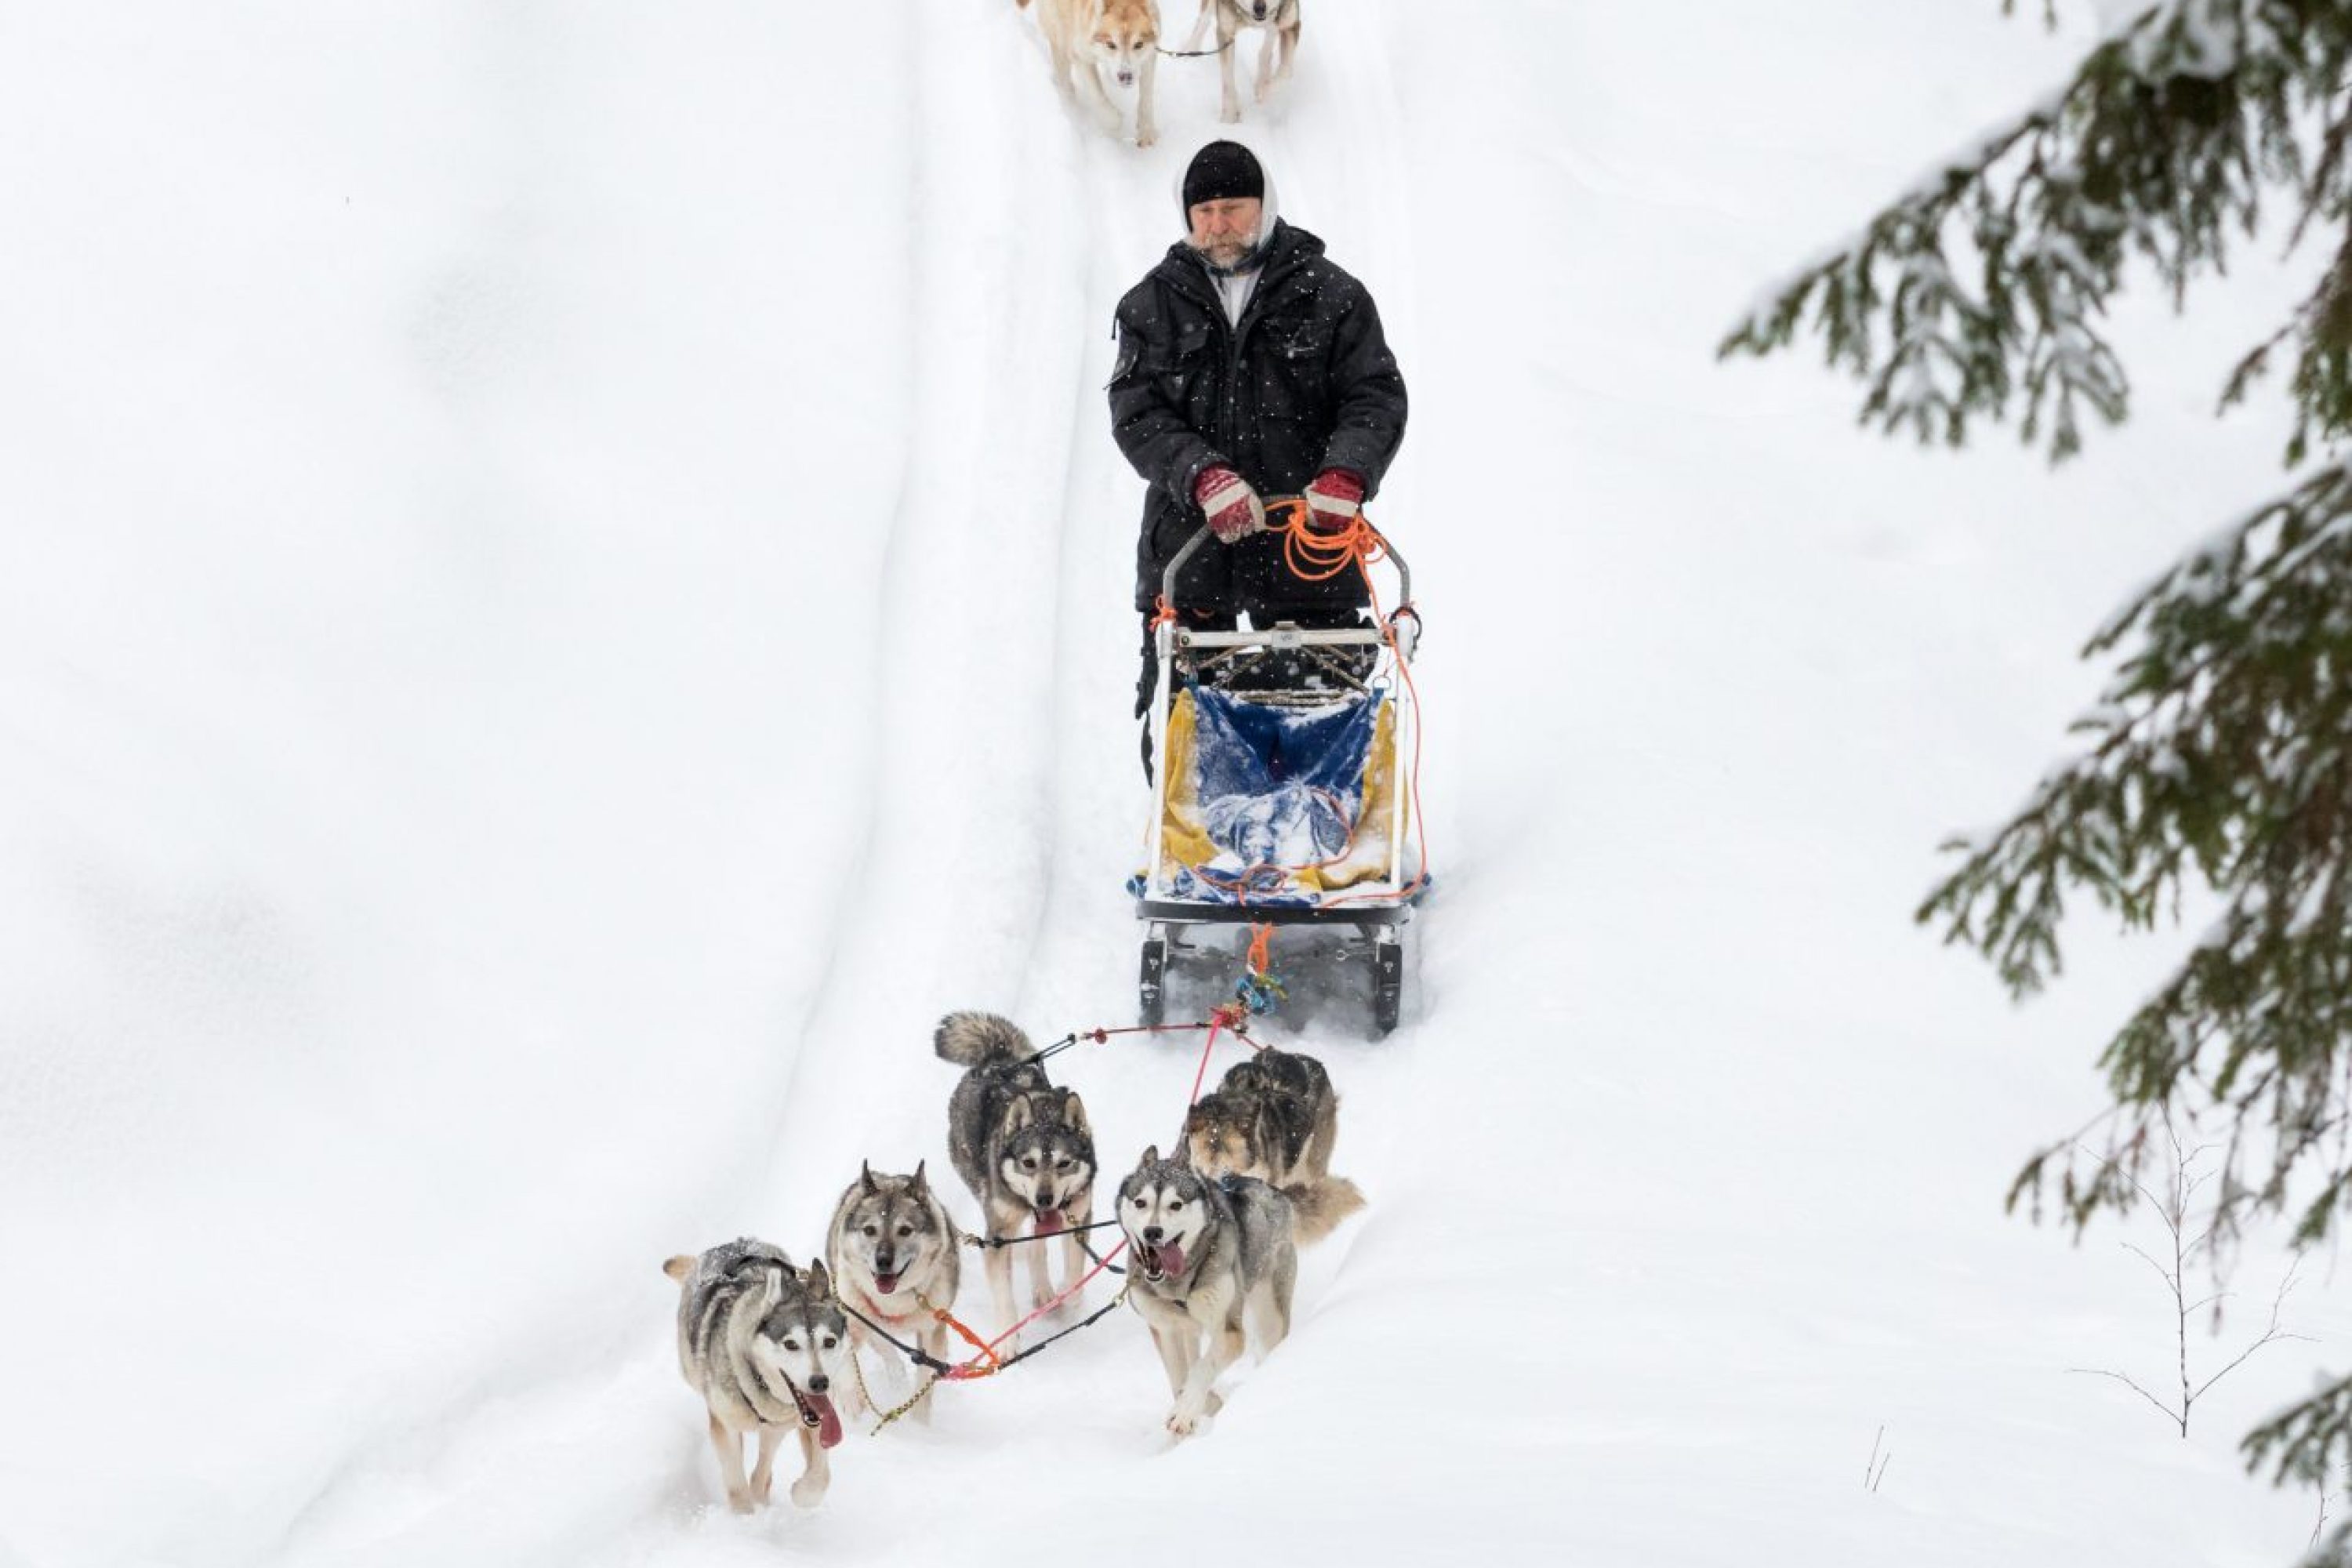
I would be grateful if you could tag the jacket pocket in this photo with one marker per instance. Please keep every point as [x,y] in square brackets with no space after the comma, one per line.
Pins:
[1295,379]
[1179,364]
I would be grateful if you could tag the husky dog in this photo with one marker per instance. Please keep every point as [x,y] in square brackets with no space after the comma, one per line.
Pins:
[892,1249]
[1209,1254]
[1275,1116]
[1280,20]
[1088,37]
[1021,1145]
[762,1342]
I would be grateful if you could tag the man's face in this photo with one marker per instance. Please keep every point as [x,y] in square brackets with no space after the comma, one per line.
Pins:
[1224,230]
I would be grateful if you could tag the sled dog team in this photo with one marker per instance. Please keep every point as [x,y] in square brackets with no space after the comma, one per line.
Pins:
[1214,1232]
[1088,40]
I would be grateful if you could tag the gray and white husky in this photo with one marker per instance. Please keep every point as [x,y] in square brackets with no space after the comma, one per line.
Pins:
[1275,1116]
[1213,1267]
[1022,1146]
[892,1248]
[761,1344]
[1280,20]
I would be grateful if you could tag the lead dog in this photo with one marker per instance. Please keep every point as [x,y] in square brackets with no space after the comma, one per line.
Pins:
[1086,39]
[1280,20]
[892,1249]
[761,1344]
[1022,1146]
[1214,1267]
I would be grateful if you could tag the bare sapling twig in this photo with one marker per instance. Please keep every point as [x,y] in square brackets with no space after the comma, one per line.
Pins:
[1875,1470]
[2189,1246]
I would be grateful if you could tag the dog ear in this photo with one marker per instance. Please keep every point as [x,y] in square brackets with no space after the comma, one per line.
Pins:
[819,1282]
[866,1174]
[679,1268]
[1183,1155]
[917,1187]
[1073,1112]
[1020,1114]
[1150,1156]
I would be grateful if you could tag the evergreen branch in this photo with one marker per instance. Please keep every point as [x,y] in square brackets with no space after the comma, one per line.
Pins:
[2162,143]
[2305,1441]
[2221,756]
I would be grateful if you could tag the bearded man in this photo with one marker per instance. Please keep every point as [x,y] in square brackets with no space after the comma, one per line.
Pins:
[1249,364]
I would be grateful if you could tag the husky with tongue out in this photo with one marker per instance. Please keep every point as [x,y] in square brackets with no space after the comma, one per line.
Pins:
[762,1342]
[892,1249]
[1023,1147]
[1211,1263]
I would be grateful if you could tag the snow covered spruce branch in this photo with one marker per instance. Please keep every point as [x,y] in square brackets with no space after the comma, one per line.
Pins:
[2222,752]
[1986,281]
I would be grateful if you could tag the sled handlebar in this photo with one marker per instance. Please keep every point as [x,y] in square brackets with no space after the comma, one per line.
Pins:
[1203,534]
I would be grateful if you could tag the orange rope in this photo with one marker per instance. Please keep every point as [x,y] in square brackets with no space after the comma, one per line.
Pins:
[987,1351]
[1261,938]
[1318,555]
[1360,542]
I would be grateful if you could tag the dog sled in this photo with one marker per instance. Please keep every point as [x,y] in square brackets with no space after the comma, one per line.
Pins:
[1284,795]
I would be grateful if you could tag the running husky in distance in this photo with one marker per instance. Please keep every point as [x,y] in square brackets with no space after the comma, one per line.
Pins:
[892,1250]
[761,1344]
[1275,1116]
[1086,38]
[1213,1268]
[1280,20]
[1022,1146]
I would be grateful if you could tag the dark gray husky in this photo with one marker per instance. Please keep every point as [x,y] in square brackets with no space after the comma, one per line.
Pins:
[762,1342]
[1211,1266]
[1275,1116]
[1022,1146]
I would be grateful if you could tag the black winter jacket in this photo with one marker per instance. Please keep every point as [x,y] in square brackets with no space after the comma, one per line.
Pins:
[1305,382]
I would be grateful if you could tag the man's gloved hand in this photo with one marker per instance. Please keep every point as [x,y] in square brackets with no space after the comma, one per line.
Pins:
[1333,499]
[1234,508]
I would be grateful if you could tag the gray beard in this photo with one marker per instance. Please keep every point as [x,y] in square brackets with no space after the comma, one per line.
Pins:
[1227,256]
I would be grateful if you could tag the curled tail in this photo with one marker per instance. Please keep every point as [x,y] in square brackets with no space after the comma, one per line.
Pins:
[969,1039]
[1318,1206]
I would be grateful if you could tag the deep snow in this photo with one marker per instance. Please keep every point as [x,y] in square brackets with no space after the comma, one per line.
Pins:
[567,597]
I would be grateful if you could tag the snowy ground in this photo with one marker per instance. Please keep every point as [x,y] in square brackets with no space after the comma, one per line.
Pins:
[566,598]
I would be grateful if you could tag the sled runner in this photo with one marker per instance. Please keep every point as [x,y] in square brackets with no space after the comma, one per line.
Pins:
[1284,789]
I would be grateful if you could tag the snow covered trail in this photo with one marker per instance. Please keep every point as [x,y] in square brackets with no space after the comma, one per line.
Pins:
[610,634]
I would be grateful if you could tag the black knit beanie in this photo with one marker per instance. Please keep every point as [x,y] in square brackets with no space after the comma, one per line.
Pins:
[1223,170]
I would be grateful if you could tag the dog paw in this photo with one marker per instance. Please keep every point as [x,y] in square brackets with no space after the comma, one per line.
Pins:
[1183,1421]
[807,1492]
[1146,135]
[1230,117]
[739,1502]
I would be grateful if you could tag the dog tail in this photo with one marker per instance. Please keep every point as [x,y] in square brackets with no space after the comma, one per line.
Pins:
[969,1039]
[1318,1207]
